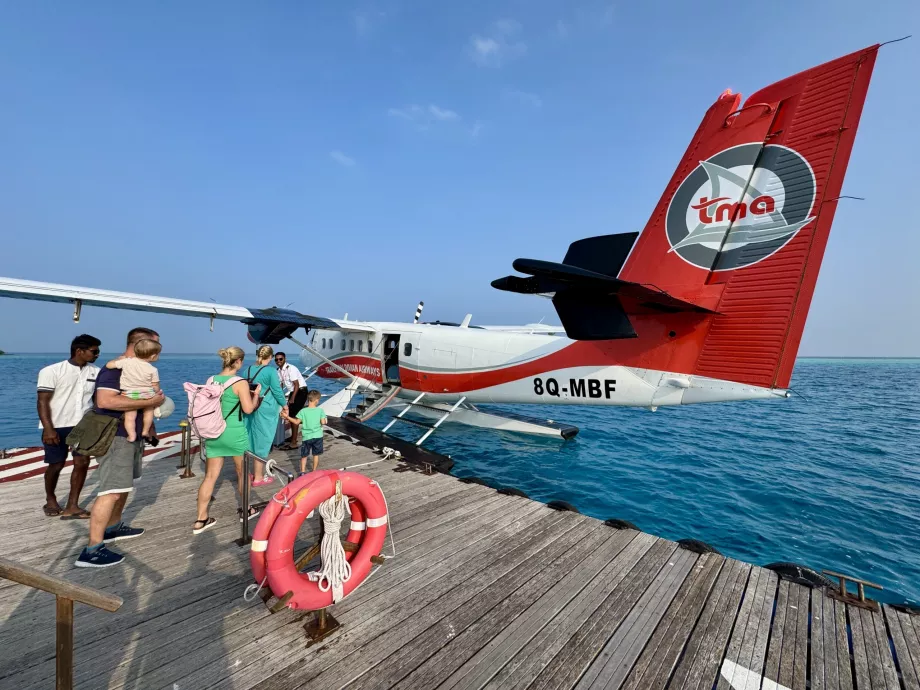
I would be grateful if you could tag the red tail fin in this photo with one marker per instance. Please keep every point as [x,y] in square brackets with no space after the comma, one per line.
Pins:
[743,224]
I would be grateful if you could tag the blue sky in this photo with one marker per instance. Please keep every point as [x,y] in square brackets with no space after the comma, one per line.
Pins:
[356,158]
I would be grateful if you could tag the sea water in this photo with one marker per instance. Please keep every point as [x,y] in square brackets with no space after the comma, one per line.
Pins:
[829,478]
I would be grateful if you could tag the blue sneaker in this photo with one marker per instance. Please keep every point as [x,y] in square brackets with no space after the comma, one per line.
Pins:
[98,558]
[121,531]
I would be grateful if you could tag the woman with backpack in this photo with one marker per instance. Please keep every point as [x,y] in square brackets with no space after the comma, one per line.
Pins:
[235,401]
[263,423]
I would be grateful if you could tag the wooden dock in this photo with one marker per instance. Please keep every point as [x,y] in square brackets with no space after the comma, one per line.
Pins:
[486,591]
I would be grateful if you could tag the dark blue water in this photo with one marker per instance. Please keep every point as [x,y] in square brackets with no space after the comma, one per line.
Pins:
[829,479]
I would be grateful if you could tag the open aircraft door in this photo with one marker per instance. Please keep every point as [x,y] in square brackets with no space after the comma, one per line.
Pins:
[400,359]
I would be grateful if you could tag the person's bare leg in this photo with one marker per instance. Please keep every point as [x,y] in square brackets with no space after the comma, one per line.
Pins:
[213,467]
[77,479]
[101,516]
[148,422]
[315,461]
[52,473]
[131,425]
[117,510]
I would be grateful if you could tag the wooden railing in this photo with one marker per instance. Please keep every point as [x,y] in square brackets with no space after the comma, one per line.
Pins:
[67,593]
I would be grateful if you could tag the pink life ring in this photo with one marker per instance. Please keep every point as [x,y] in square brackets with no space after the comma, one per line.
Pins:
[303,497]
[274,508]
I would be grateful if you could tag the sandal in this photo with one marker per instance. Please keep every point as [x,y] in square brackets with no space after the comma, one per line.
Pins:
[51,512]
[205,524]
[82,515]
[253,512]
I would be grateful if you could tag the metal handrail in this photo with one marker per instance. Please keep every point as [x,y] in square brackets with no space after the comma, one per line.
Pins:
[67,593]
[272,468]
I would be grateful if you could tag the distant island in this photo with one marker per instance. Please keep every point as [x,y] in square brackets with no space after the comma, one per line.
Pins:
[2,352]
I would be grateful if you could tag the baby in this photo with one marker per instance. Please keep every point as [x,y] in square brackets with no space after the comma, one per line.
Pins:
[140,380]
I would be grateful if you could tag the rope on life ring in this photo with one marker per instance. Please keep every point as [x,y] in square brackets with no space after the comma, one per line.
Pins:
[335,570]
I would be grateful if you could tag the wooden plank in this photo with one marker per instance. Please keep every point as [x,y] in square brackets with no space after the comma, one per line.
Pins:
[889,668]
[787,652]
[635,569]
[366,656]
[748,644]
[699,667]
[906,646]
[480,668]
[609,668]
[374,628]
[656,664]
[241,575]
[580,562]
[552,562]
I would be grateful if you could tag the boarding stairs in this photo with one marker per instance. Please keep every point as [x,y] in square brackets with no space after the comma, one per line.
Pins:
[374,401]
[430,428]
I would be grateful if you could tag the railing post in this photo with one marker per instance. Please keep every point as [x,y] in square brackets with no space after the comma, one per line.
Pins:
[186,430]
[64,643]
[244,495]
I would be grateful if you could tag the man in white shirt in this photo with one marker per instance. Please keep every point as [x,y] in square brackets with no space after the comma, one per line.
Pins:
[295,389]
[65,393]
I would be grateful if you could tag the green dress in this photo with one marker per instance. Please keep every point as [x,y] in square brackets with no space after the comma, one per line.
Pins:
[263,423]
[234,441]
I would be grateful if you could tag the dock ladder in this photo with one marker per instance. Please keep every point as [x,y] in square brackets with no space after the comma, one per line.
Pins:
[430,427]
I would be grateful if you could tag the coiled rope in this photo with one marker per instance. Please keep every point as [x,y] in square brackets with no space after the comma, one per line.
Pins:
[336,570]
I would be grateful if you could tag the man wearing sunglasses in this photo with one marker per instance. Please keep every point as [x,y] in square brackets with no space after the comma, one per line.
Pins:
[295,390]
[65,393]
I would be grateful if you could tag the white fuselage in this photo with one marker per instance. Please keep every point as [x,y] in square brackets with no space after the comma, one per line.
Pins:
[506,365]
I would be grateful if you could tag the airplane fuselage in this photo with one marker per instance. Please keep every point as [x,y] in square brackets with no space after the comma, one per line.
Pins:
[507,365]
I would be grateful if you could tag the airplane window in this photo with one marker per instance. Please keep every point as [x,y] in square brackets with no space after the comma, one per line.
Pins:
[360,346]
[370,345]
[407,350]
[324,343]
[351,345]
[343,344]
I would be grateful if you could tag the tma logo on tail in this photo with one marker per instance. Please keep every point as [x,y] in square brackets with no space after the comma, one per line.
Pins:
[729,214]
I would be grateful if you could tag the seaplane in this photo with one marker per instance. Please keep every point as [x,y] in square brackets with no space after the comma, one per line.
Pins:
[707,304]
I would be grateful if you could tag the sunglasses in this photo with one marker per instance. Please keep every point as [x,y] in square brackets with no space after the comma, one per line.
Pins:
[94,350]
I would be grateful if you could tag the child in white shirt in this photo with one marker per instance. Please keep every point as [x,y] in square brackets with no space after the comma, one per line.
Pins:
[140,380]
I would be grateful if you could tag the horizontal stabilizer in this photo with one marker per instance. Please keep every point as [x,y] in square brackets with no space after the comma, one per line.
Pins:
[587,294]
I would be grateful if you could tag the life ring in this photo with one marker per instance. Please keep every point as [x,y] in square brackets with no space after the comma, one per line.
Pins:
[302,497]
[274,508]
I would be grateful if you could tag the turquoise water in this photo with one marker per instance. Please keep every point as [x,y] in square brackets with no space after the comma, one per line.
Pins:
[829,479]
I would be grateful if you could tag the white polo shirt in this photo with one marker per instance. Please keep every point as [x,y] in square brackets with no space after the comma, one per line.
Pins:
[289,373]
[71,389]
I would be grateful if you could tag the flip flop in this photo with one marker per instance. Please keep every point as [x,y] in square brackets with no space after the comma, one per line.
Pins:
[51,512]
[82,515]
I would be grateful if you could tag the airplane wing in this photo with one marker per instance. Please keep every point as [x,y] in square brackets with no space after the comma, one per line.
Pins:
[268,325]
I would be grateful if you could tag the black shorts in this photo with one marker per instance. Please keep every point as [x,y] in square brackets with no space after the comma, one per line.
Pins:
[298,401]
[58,452]
[313,446]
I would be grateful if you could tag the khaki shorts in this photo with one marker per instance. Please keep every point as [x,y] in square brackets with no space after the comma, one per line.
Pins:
[121,466]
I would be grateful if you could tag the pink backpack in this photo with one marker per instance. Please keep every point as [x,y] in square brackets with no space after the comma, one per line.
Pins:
[204,410]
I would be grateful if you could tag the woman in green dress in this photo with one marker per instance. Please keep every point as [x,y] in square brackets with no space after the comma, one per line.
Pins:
[263,423]
[236,401]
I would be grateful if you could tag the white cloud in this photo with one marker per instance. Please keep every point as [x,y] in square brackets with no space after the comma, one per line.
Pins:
[522,97]
[342,159]
[497,45]
[562,29]
[424,117]
[477,128]
[442,113]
